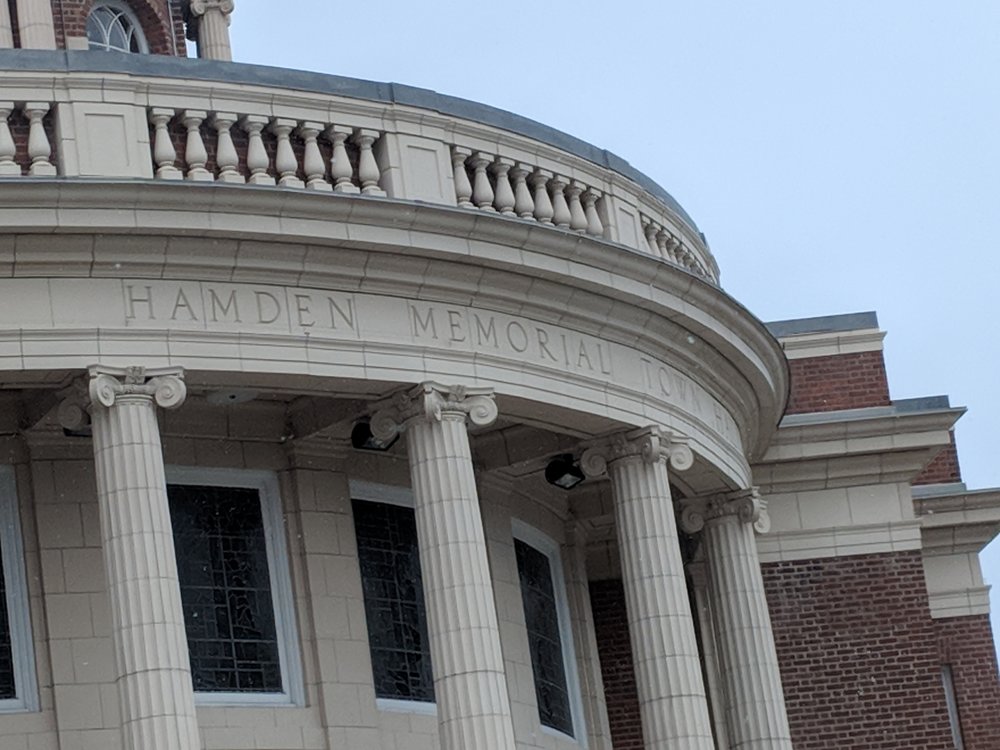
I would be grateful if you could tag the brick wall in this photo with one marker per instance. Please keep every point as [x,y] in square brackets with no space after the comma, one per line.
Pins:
[842,381]
[944,468]
[159,18]
[967,645]
[858,653]
[607,600]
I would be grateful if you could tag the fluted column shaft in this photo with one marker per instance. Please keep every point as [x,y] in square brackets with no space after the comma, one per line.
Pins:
[35,26]
[469,680]
[664,645]
[213,28]
[151,653]
[755,703]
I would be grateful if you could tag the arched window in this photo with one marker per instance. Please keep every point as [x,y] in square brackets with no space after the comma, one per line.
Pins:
[112,26]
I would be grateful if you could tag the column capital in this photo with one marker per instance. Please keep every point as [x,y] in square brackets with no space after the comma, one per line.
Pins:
[201,7]
[432,402]
[651,444]
[103,385]
[745,506]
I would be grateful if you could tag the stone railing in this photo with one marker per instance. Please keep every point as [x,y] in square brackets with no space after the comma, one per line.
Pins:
[78,123]
[25,140]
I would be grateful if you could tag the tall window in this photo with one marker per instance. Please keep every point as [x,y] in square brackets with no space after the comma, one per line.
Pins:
[394,594]
[113,27]
[18,688]
[234,583]
[550,638]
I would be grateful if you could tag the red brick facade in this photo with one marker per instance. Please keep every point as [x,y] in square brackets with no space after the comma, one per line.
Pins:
[967,646]
[944,469]
[607,599]
[858,653]
[160,20]
[842,381]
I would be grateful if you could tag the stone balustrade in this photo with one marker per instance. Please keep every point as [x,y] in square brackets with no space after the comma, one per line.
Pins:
[256,149]
[329,135]
[25,140]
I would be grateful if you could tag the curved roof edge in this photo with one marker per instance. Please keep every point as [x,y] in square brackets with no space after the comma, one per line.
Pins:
[322,83]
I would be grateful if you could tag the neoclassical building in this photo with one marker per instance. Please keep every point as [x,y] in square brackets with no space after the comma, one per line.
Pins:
[347,415]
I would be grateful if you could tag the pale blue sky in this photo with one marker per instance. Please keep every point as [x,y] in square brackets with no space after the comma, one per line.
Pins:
[840,155]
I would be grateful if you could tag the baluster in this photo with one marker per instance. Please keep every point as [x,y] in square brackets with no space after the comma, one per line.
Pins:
[285,160]
[39,149]
[340,163]
[257,159]
[524,204]
[649,229]
[672,246]
[8,167]
[595,227]
[543,204]
[312,162]
[463,188]
[226,157]
[482,191]
[560,209]
[164,153]
[662,240]
[368,171]
[504,198]
[578,219]
[195,153]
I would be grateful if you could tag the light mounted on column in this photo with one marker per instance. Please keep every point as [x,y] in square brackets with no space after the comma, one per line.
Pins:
[562,472]
[363,439]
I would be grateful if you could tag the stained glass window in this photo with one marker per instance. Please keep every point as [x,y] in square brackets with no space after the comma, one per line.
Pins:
[394,601]
[225,586]
[8,686]
[541,617]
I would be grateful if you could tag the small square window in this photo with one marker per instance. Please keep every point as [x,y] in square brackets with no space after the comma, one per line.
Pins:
[235,586]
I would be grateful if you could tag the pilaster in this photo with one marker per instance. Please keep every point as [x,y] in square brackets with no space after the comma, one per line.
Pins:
[755,704]
[469,681]
[665,648]
[152,662]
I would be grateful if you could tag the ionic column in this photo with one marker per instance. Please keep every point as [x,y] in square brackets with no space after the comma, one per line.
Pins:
[664,645]
[151,659]
[213,28]
[755,704]
[35,26]
[469,681]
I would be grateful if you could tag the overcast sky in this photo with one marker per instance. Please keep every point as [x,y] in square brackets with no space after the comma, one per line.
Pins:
[840,155]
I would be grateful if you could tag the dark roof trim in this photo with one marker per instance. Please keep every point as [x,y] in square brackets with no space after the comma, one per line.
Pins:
[393,93]
[861,321]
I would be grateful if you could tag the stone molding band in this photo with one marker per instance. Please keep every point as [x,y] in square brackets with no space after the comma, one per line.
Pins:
[433,402]
[651,444]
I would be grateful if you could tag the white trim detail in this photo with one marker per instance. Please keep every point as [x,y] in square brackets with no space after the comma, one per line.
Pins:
[551,549]
[15,582]
[283,600]
[811,345]
[127,14]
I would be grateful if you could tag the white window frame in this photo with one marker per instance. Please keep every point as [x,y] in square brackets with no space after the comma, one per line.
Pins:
[130,16]
[373,492]
[282,595]
[547,546]
[15,581]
